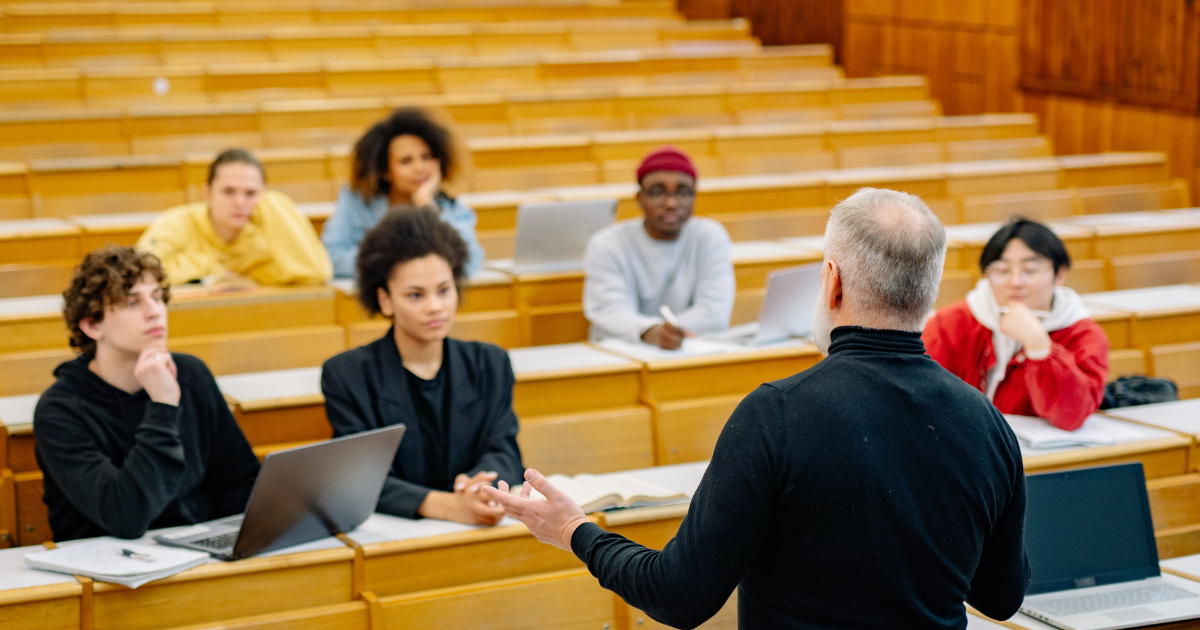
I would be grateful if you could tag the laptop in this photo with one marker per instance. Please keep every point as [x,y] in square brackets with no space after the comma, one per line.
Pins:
[787,308]
[1090,542]
[301,494]
[551,237]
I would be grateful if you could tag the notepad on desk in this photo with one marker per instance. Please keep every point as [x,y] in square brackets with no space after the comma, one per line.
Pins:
[118,561]
[692,347]
[1039,434]
[595,493]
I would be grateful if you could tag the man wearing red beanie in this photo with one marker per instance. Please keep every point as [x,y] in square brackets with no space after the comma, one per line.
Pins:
[667,258]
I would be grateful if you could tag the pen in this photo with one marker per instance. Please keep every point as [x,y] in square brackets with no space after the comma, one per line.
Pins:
[669,315]
[1038,314]
[133,555]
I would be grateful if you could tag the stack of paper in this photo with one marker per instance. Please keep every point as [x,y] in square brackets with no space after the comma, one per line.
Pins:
[1096,431]
[692,347]
[118,561]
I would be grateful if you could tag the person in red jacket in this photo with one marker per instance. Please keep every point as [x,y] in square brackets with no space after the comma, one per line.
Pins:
[1021,337]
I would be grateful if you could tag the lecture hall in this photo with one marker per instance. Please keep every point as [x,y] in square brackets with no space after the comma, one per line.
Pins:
[696,314]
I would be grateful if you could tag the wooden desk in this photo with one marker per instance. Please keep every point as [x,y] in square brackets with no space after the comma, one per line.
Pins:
[1181,417]
[691,398]
[36,600]
[580,410]
[1128,233]
[1160,315]
[1162,454]
[279,407]
[32,323]
[38,241]
[120,229]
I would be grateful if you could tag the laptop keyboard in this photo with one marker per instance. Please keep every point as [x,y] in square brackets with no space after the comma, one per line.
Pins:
[1111,600]
[218,543]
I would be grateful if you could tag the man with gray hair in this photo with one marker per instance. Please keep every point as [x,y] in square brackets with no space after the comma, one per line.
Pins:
[873,490]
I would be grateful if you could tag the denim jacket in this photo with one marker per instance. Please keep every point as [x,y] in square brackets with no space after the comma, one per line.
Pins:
[345,229]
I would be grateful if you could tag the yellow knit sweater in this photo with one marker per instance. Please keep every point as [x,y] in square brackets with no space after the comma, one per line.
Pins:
[277,247]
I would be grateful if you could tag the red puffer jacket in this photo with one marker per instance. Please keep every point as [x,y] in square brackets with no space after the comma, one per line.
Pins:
[1063,388]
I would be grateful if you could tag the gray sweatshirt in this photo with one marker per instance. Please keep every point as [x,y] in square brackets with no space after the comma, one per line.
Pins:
[630,275]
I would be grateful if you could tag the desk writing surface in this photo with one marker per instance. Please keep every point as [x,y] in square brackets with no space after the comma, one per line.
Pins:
[683,478]
[978,234]
[380,528]
[317,209]
[345,285]
[114,222]
[743,252]
[567,357]
[982,623]
[1148,301]
[19,228]
[1162,453]
[14,573]
[1181,416]
[1120,222]
[257,387]
[16,412]
[32,305]
[1139,433]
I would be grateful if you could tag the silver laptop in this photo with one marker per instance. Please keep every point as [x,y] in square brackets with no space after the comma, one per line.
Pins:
[301,494]
[551,237]
[787,308]
[1090,542]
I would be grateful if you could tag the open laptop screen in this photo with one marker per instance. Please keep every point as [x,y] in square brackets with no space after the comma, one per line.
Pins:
[1088,528]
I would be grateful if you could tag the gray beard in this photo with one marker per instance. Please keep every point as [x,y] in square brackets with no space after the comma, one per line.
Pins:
[822,326]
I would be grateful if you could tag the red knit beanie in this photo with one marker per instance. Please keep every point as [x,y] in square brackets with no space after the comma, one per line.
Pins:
[666,159]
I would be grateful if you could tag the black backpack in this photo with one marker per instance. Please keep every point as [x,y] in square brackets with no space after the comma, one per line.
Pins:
[1128,391]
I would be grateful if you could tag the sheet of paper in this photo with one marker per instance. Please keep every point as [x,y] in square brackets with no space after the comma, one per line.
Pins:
[692,347]
[1039,434]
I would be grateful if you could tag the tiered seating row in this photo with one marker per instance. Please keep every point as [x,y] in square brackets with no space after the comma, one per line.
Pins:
[33,89]
[286,44]
[299,124]
[49,17]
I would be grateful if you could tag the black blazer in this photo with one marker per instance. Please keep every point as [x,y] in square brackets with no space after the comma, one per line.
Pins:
[366,388]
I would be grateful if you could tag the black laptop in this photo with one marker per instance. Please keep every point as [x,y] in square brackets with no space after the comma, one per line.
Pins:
[301,494]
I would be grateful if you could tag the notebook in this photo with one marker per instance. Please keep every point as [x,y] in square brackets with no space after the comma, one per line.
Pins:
[595,493]
[118,561]
[1039,434]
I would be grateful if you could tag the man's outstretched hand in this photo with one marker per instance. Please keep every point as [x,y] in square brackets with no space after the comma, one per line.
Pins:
[552,521]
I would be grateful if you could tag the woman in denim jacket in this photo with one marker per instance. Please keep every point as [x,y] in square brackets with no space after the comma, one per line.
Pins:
[402,159]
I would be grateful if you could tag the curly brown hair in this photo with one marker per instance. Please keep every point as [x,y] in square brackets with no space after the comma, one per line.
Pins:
[104,278]
[368,175]
[406,233]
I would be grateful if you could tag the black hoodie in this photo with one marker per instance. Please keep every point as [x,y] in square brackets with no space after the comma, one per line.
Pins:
[118,464]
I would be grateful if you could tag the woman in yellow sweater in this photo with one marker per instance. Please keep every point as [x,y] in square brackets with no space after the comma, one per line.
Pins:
[241,228]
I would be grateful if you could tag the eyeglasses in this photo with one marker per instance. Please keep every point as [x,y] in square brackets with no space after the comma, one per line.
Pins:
[659,195]
[1000,274]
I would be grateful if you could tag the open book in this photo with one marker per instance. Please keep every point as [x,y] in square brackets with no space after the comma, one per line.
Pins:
[118,561]
[1096,431]
[594,493]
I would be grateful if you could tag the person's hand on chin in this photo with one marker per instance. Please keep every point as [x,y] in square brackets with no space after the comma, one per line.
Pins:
[552,520]
[156,371]
[1021,324]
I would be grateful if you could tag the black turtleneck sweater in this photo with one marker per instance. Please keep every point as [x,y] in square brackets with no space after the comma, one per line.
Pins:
[873,490]
[118,464]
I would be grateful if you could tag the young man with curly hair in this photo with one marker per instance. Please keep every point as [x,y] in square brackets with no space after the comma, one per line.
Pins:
[455,396]
[131,436]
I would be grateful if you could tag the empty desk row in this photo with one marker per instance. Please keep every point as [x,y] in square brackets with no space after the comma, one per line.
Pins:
[310,43]
[36,18]
[246,82]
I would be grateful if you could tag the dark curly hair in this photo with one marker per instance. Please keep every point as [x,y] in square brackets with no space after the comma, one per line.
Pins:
[104,278]
[368,174]
[406,233]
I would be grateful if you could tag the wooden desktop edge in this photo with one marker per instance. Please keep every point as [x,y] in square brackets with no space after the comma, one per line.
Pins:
[551,375]
[250,566]
[285,402]
[1084,455]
